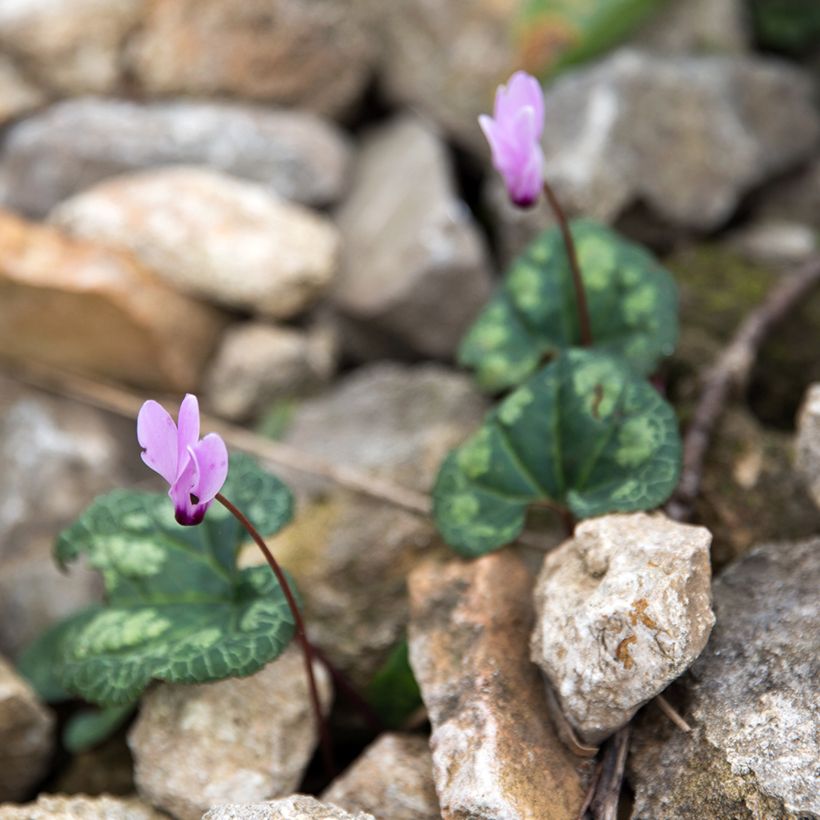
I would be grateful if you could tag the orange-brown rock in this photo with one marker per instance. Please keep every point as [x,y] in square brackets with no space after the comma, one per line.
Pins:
[81,306]
[495,753]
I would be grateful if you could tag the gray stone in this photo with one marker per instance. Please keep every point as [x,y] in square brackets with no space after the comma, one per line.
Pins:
[88,308]
[414,269]
[80,807]
[241,739]
[794,198]
[258,363]
[350,555]
[392,778]
[623,608]
[71,46]
[212,236]
[313,55]
[296,807]
[807,445]
[74,144]
[26,736]
[730,123]
[776,242]
[17,94]
[495,753]
[752,699]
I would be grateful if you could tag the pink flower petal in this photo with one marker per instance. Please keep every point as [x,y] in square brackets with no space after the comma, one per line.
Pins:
[187,510]
[211,456]
[157,435]
[188,425]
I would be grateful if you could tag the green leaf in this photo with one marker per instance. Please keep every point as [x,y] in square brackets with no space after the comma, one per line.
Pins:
[584,432]
[89,727]
[394,692]
[179,608]
[632,305]
[554,34]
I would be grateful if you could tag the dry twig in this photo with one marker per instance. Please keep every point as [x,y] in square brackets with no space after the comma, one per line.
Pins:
[672,713]
[732,370]
[604,804]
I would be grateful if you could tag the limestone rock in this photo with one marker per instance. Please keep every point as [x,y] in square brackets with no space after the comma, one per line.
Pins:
[74,144]
[731,123]
[258,363]
[392,778]
[72,46]
[26,735]
[752,701]
[495,753]
[623,608]
[315,55]
[297,807]
[212,236]
[17,94]
[85,307]
[808,441]
[80,807]
[241,739]
[350,555]
[414,270]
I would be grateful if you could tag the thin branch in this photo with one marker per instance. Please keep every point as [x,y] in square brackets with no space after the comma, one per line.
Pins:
[672,713]
[604,804]
[731,371]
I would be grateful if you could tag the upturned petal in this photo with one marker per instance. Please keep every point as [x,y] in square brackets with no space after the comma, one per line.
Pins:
[188,428]
[157,435]
[211,456]
[188,510]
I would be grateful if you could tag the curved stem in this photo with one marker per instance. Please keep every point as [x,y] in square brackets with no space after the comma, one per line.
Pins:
[577,281]
[301,636]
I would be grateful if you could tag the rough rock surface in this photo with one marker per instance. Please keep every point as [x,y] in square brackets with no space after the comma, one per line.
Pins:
[409,245]
[807,445]
[623,608]
[495,753]
[72,46]
[26,735]
[79,305]
[392,778]
[241,739]
[316,55]
[75,144]
[296,807]
[730,122]
[80,807]
[686,26]
[752,699]
[350,555]
[211,235]
[17,94]
[258,363]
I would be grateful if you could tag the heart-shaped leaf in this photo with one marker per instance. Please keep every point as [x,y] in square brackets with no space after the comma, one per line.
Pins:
[178,608]
[584,432]
[632,306]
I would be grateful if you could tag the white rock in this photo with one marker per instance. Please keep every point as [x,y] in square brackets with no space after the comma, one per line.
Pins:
[623,609]
[296,807]
[80,807]
[241,739]
[807,446]
[212,236]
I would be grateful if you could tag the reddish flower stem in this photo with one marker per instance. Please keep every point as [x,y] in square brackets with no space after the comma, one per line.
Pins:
[301,636]
[578,282]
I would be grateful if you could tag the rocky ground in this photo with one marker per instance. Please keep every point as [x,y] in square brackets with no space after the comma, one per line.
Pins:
[286,206]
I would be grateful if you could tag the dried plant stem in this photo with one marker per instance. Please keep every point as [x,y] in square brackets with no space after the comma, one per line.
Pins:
[731,370]
[301,635]
[125,403]
[672,713]
[604,805]
[572,255]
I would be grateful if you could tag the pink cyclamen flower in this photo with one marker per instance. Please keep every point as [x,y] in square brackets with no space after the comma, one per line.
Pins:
[514,133]
[196,470]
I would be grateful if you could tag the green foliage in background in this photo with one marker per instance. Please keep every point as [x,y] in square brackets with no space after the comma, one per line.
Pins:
[178,608]
[554,34]
[585,432]
[791,26]
[632,306]
[394,692]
